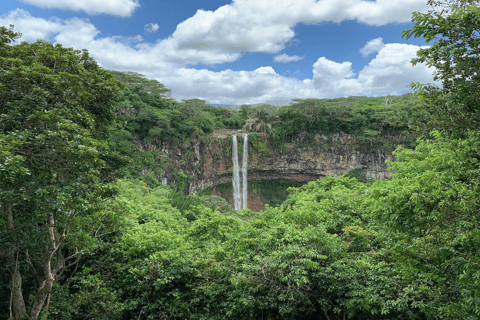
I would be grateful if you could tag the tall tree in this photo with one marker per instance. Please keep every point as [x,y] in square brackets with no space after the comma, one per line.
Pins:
[454,27]
[56,104]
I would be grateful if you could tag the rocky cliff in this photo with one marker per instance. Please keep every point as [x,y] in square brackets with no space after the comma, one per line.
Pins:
[208,160]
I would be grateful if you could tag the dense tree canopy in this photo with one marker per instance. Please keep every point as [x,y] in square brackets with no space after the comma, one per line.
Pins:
[337,248]
[367,118]
[56,105]
[453,27]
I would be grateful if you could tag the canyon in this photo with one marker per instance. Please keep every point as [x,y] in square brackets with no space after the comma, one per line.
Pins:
[208,160]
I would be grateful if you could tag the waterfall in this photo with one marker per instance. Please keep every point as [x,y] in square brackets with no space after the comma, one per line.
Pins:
[240,194]
[244,171]
[236,175]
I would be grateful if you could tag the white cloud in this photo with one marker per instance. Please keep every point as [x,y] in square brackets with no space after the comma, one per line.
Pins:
[265,70]
[220,36]
[262,85]
[151,27]
[332,78]
[231,29]
[268,26]
[75,31]
[389,72]
[284,58]
[372,46]
[122,8]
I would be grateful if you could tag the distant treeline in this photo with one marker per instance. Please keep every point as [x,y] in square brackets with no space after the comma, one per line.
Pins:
[146,113]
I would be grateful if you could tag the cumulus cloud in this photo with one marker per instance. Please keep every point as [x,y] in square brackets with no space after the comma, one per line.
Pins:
[332,78]
[389,71]
[262,85]
[284,58]
[77,31]
[122,8]
[151,27]
[372,46]
[268,26]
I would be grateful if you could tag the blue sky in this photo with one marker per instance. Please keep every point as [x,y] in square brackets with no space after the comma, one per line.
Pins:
[241,51]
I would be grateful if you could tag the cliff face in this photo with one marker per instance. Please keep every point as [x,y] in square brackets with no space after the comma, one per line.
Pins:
[209,162]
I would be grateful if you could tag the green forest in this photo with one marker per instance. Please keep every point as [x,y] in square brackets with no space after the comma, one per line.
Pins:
[146,115]
[87,231]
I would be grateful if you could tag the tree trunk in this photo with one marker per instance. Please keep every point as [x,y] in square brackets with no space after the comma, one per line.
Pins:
[19,309]
[49,272]
[40,297]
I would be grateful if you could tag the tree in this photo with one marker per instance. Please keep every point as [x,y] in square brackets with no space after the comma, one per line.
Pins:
[453,26]
[138,83]
[432,200]
[55,108]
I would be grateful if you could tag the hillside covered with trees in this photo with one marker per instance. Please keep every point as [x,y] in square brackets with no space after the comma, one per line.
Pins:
[146,115]
[85,235]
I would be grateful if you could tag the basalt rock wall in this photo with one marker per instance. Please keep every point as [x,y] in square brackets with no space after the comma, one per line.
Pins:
[208,160]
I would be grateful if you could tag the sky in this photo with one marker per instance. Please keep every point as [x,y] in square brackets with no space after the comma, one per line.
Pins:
[241,51]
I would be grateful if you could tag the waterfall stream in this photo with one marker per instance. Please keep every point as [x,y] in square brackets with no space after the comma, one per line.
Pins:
[240,193]
[244,171]
[236,175]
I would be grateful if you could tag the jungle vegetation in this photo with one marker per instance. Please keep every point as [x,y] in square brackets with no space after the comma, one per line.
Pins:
[146,115]
[84,236]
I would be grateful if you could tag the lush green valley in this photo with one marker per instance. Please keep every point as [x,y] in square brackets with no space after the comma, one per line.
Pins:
[87,231]
[145,115]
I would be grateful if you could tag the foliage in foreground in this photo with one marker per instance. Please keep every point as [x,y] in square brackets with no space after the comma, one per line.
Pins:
[407,248]
[56,105]
[452,28]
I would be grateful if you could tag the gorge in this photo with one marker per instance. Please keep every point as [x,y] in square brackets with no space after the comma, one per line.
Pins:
[213,160]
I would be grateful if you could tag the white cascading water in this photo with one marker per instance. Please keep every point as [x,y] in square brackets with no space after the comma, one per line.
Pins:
[244,171]
[240,193]
[236,175]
